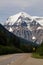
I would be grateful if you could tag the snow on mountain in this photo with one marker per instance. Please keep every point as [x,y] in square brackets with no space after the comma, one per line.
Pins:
[10,29]
[12,19]
[26,26]
[23,16]
[33,37]
[40,28]
[38,19]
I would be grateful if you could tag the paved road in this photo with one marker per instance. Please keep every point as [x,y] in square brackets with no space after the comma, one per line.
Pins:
[7,59]
[20,59]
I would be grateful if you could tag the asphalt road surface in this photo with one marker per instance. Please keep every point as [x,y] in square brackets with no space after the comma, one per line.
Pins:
[20,59]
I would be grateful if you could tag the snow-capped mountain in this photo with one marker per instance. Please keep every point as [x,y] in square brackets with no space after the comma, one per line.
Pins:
[26,26]
[17,18]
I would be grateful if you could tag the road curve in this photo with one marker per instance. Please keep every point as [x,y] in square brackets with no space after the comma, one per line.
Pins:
[20,59]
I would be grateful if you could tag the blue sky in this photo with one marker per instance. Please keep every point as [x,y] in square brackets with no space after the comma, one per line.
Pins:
[11,7]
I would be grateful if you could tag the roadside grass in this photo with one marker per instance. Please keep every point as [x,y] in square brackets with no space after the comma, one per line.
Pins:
[36,55]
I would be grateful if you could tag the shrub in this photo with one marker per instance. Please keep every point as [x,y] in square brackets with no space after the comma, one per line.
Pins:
[40,50]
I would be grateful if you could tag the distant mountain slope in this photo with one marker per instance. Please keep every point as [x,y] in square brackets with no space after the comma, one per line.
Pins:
[9,43]
[26,26]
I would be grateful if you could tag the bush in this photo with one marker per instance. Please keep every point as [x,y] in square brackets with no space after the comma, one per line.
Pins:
[40,50]
[36,55]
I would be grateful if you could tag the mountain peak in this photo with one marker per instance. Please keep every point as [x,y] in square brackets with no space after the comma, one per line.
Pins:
[21,15]
[24,13]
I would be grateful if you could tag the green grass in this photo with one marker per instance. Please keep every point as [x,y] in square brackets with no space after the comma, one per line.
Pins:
[36,55]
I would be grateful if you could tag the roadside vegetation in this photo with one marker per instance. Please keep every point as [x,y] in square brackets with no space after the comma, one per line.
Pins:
[39,52]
